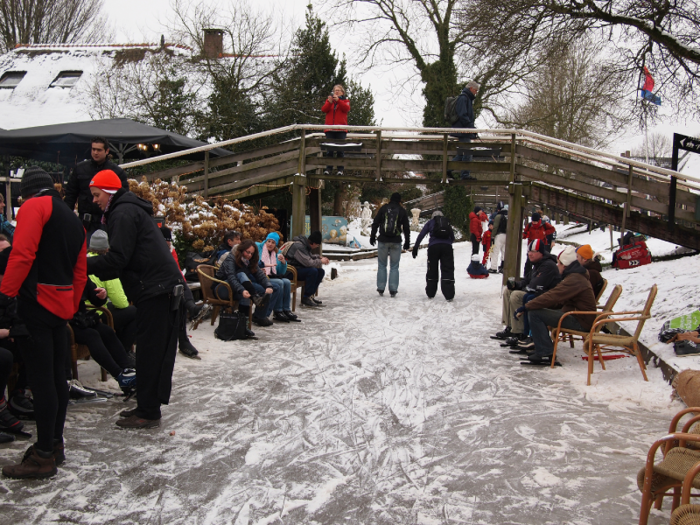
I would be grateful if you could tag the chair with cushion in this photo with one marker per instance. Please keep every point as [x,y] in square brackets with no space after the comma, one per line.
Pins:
[207,282]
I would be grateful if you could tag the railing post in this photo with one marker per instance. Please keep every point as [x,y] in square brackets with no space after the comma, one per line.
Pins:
[302,153]
[206,174]
[672,204]
[298,205]
[512,158]
[628,202]
[444,159]
[379,155]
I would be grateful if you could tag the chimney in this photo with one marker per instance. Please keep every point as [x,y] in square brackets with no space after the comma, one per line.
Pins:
[213,43]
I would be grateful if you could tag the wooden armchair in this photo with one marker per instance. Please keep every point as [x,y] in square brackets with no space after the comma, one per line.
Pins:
[82,351]
[687,514]
[296,283]
[207,281]
[602,290]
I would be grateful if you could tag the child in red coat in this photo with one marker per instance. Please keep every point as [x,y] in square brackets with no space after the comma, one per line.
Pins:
[486,242]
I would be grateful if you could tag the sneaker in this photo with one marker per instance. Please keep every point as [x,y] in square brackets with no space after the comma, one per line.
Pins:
[318,303]
[340,173]
[262,321]
[21,404]
[138,422]
[492,271]
[33,466]
[279,316]
[8,422]
[306,301]
[127,379]
[393,294]
[526,343]
[77,391]
[381,292]
[504,334]
[292,316]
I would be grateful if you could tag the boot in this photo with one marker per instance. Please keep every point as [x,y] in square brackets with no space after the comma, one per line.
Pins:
[35,464]
[21,404]
[187,348]
[138,422]
[9,423]
[193,309]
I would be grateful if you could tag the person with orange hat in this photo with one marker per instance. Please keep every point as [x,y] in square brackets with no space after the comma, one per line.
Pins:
[586,258]
[77,188]
[139,256]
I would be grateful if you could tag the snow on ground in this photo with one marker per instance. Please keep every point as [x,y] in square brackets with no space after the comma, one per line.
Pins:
[374,410]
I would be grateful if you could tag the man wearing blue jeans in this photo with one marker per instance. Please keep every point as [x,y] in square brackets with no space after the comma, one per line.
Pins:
[308,265]
[390,220]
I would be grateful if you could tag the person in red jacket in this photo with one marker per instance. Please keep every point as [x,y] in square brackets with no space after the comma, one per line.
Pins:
[336,108]
[486,242]
[538,230]
[44,281]
[475,229]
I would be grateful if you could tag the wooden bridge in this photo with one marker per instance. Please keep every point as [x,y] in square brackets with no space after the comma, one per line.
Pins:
[521,167]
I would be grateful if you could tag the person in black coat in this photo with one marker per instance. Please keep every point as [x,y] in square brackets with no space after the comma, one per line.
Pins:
[390,220]
[77,188]
[140,258]
[465,110]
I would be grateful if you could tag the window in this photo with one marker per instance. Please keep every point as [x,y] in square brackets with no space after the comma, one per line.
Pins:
[10,79]
[66,79]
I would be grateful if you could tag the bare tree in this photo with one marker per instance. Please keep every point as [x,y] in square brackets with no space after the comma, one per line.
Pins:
[50,22]
[654,148]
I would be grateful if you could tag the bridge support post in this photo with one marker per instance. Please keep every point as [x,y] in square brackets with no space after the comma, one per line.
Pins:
[298,205]
[315,211]
[514,232]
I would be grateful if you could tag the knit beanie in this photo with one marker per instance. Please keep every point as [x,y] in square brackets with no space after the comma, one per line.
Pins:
[536,246]
[585,251]
[167,234]
[536,217]
[316,237]
[568,256]
[99,241]
[107,181]
[33,181]
[477,209]
[275,237]
[395,197]
[436,213]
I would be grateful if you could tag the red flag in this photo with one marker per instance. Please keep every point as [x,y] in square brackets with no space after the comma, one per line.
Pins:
[648,81]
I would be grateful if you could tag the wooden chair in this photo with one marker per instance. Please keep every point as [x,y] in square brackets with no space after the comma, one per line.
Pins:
[79,351]
[602,289]
[674,473]
[561,334]
[687,514]
[207,281]
[296,283]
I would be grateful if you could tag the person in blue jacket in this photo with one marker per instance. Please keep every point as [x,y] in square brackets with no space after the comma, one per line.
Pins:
[440,255]
[273,264]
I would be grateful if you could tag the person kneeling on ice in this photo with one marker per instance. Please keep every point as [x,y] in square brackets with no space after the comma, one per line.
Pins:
[476,270]
[439,254]
[573,293]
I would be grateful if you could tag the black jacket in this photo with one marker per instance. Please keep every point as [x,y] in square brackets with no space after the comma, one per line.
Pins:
[78,187]
[229,272]
[544,273]
[138,254]
[402,220]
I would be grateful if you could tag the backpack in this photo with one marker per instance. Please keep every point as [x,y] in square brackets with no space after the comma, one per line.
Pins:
[451,115]
[442,228]
[391,226]
[285,248]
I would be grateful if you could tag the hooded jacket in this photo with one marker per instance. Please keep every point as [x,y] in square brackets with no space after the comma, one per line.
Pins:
[475,225]
[538,230]
[336,113]
[138,254]
[574,292]
[299,254]
[544,273]
[78,187]
[428,229]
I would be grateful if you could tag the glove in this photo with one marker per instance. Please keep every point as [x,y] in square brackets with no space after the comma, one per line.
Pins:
[373,240]
[415,252]
[407,246]
[511,285]
[520,310]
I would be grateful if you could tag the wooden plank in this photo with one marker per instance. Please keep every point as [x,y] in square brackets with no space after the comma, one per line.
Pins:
[252,177]
[418,166]
[262,190]
[245,171]
[290,169]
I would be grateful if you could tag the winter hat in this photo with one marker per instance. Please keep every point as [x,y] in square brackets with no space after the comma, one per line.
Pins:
[568,256]
[477,209]
[167,234]
[107,181]
[33,181]
[395,197]
[490,223]
[585,251]
[536,246]
[275,236]
[476,258]
[99,241]
[536,217]
[316,237]
[505,207]
[436,213]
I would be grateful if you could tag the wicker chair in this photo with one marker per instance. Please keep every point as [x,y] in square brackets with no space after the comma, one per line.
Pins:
[687,514]
[601,291]
[296,283]
[207,281]
[78,351]
[655,480]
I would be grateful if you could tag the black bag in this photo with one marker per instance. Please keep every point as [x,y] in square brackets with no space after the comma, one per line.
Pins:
[231,326]
[442,228]
[390,226]
[451,115]
[85,319]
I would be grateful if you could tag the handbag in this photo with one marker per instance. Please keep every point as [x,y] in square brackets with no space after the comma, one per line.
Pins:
[231,326]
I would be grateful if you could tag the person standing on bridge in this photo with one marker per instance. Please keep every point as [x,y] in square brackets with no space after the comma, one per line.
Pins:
[390,220]
[465,110]
[336,108]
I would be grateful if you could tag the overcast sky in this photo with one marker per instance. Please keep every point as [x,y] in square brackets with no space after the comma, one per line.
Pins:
[146,20]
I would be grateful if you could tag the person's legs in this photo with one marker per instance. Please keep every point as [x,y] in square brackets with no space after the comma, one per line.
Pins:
[432,276]
[499,247]
[6,362]
[447,271]
[475,244]
[125,324]
[540,321]
[382,256]
[312,278]
[395,259]
[341,154]
[286,295]
[516,301]
[113,345]
[275,303]
[98,351]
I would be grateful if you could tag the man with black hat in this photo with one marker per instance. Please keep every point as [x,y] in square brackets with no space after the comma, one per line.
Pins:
[77,188]
[390,220]
[43,284]
[308,265]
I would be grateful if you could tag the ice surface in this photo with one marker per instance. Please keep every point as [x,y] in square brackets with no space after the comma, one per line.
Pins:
[374,410]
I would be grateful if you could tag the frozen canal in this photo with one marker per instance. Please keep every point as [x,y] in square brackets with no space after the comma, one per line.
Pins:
[372,411]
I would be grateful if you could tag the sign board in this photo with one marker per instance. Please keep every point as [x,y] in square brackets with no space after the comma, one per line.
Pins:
[334,230]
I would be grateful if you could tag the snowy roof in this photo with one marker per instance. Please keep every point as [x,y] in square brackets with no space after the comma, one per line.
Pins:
[51,92]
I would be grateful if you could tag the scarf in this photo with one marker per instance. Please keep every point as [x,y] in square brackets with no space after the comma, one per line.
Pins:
[104,214]
[269,257]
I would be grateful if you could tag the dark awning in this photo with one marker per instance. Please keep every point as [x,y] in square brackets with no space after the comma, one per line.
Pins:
[70,143]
